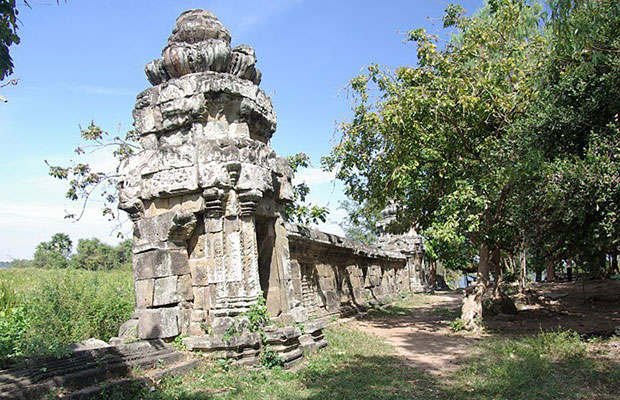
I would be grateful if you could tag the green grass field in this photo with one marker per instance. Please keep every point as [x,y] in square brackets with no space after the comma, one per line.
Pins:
[43,310]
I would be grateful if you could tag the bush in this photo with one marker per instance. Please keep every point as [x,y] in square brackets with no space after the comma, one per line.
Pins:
[64,307]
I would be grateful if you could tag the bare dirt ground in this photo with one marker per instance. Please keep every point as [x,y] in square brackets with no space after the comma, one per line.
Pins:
[420,332]
[422,335]
[590,308]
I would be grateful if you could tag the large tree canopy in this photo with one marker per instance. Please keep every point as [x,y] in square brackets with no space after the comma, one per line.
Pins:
[574,211]
[505,134]
[437,138]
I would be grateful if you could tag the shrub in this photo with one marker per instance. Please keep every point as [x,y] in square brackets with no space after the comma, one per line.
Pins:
[457,325]
[64,307]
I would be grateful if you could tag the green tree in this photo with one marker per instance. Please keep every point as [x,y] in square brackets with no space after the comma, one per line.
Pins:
[438,139]
[9,24]
[8,35]
[93,254]
[53,254]
[299,211]
[574,211]
[361,221]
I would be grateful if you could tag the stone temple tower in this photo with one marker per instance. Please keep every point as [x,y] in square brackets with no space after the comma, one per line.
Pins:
[206,192]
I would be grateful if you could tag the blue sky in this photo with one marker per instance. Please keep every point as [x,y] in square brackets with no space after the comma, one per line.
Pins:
[83,60]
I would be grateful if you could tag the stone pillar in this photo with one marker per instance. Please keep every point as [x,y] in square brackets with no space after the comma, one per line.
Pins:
[204,173]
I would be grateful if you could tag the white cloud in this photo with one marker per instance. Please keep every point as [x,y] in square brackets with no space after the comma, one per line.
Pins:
[313,176]
[24,225]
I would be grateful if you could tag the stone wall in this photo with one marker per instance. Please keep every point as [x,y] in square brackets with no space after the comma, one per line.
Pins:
[336,276]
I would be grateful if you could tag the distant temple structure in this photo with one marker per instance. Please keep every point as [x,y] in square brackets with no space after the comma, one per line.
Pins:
[206,193]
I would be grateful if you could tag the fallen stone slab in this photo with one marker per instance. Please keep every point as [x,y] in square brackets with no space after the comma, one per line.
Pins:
[28,378]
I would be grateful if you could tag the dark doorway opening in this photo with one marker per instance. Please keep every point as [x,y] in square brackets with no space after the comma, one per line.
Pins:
[267,269]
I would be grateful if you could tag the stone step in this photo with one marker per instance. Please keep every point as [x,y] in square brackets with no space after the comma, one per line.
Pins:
[149,377]
[32,378]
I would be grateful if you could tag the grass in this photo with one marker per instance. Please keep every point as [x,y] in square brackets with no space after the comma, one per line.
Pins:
[400,307]
[356,365]
[70,305]
[445,312]
[553,365]
[42,310]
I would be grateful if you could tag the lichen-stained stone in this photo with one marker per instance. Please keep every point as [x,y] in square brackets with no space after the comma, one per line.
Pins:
[144,292]
[216,264]
[243,64]
[129,329]
[165,291]
[160,264]
[207,195]
[198,323]
[184,287]
[204,298]
[173,181]
[176,156]
[158,323]
[199,275]
[185,315]
[253,177]
[189,203]
[176,104]
[182,226]
[158,228]
[233,251]
[307,344]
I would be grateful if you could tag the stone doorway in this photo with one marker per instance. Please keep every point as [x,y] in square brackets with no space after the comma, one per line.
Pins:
[267,266]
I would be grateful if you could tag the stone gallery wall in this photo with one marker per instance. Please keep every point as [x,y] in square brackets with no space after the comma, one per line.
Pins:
[336,276]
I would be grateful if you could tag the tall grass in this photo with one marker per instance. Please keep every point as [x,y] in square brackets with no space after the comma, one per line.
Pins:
[41,311]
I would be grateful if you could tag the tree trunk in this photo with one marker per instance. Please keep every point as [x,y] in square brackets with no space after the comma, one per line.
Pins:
[522,270]
[497,272]
[483,264]
[602,263]
[432,275]
[538,277]
[569,270]
[471,312]
[614,263]
[550,270]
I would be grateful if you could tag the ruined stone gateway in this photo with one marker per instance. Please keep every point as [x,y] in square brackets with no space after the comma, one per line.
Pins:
[206,194]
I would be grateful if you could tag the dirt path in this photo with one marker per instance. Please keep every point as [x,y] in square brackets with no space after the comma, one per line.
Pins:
[420,331]
[422,335]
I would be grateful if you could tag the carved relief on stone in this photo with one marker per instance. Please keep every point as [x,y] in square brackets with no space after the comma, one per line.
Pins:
[200,43]
[243,64]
